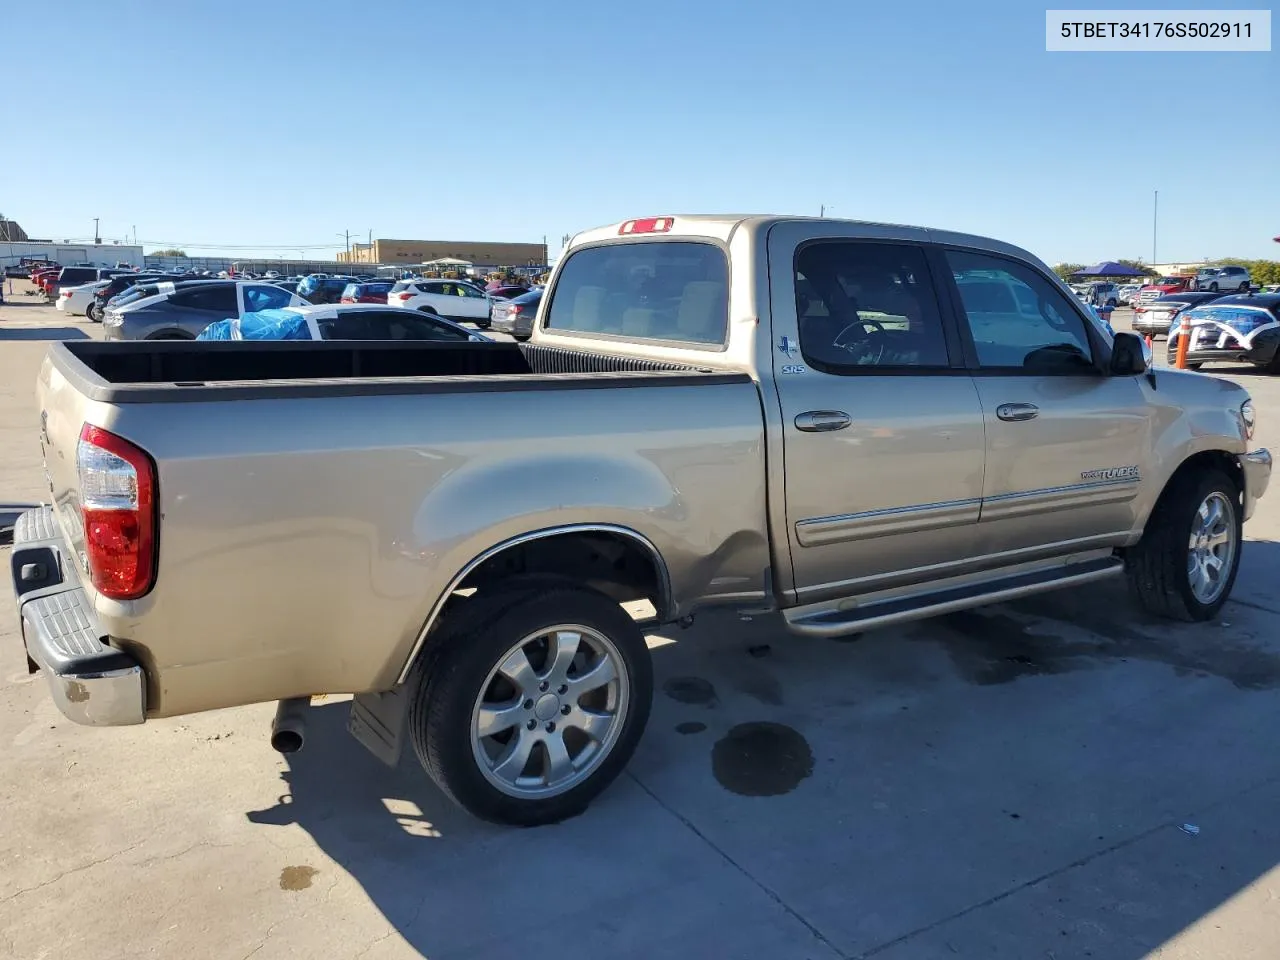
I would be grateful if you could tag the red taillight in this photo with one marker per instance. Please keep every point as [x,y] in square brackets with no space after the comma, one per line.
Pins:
[66,293]
[514,308]
[648,225]
[404,296]
[117,506]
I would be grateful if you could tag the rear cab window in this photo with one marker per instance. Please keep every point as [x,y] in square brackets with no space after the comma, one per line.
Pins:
[673,290]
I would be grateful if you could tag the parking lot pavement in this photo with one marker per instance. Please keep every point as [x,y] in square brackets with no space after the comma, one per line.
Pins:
[1055,778]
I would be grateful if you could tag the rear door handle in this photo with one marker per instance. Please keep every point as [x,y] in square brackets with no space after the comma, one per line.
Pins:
[822,421]
[1017,411]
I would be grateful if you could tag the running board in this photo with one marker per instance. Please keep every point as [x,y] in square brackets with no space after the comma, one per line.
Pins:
[882,613]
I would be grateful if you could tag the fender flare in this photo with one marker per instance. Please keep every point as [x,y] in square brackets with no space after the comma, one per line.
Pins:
[664,576]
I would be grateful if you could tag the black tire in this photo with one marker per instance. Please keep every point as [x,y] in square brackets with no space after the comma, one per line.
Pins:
[1195,365]
[1213,287]
[1244,287]
[1111,302]
[459,659]
[1157,566]
[94,312]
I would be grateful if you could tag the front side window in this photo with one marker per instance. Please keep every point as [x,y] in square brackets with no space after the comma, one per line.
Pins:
[645,290]
[863,306]
[1017,318]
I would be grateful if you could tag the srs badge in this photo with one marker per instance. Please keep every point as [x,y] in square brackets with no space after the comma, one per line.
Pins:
[1112,473]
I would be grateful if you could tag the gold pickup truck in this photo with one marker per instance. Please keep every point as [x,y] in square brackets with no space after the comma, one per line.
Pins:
[850,424]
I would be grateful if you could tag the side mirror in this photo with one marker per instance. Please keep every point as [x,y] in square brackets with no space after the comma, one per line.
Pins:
[1128,355]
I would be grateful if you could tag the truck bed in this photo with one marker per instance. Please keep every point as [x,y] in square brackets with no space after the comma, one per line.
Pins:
[177,371]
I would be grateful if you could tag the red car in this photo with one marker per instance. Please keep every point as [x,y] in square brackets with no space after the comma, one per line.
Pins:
[1161,287]
[375,291]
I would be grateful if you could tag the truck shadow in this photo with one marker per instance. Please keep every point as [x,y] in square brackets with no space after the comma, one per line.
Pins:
[42,333]
[966,777]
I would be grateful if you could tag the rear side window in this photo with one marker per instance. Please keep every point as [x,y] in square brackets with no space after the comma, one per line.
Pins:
[387,325]
[220,299]
[655,290]
[861,307]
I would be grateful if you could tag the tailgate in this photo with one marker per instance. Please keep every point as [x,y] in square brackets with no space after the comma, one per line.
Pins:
[63,412]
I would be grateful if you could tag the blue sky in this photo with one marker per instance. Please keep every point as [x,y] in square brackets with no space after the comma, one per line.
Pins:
[282,124]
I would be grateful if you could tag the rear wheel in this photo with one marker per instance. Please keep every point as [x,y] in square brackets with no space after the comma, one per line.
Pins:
[1186,562]
[1244,286]
[531,701]
[94,313]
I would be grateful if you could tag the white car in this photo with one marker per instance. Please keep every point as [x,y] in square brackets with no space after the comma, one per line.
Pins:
[451,299]
[373,321]
[76,300]
[1129,292]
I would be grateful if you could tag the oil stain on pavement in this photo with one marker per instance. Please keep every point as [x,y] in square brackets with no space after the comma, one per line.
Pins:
[994,648]
[692,690]
[296,878]
[761,759]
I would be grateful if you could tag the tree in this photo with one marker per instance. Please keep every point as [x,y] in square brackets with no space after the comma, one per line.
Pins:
[168,252]
[1260,271]
[1065,270]
[1139,266]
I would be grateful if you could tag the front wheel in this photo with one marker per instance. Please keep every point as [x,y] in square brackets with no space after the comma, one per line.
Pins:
[1185,564]
[94,313]
[1244,287]
[1213,288]
[531,702]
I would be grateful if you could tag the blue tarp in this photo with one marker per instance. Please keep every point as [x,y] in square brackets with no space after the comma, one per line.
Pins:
[1108,268]
[263,325]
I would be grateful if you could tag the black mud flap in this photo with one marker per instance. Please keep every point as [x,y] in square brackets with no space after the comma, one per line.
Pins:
[377,721]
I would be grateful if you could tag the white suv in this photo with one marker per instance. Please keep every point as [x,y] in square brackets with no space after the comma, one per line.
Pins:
[1221,278]
[451,299]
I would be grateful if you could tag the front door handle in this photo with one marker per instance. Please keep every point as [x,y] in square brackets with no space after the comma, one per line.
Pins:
[822,421]
[1017,411]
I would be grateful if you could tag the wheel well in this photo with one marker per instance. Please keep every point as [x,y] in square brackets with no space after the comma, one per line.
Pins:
[618,565]
[1208,460]
[170,335]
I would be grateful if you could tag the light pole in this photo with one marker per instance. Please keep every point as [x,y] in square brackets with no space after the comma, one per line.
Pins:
[346,237]
[1155,213]
[96,239]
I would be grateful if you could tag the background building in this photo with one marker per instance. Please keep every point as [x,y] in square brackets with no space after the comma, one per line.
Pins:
[413,252]
[68,254]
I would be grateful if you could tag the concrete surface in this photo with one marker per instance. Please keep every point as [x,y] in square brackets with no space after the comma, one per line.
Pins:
[1004,783]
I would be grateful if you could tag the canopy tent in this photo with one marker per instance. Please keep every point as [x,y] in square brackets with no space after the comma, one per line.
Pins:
[1108,268]
[447,262]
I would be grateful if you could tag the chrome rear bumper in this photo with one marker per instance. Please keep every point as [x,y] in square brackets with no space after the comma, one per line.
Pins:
[92,682]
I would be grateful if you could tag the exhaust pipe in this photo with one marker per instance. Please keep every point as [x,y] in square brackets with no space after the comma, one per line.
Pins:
[289,728]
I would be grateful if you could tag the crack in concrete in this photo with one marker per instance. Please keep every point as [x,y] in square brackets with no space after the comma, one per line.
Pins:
[150,861]
[373,943]
[769,892]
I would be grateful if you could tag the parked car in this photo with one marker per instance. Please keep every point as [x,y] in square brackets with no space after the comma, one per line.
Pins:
[452,299]
[1240,328]
[318,288]
[515,316]
[373,291]
[76,301]
[370,321]
[180,311]
[1128,293]
[506,292]
[1154,317]
[1163,286]
[391,522]
[1102,294]
[74,277]
[1225,279]
[290,285]
[116,286]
